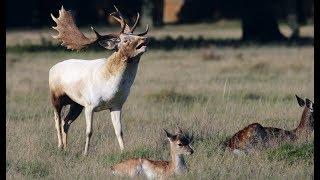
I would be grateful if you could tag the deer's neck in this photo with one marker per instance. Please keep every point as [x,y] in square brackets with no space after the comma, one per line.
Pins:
[119,63]
[178,164]
[304,127]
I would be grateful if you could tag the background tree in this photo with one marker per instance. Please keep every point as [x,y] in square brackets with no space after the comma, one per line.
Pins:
[259,22]
[157,12]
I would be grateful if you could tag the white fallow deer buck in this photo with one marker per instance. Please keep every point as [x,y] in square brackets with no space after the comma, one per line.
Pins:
[98,84]
[257,137]
[179,146]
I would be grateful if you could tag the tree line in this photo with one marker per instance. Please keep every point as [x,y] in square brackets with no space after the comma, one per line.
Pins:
[259,17]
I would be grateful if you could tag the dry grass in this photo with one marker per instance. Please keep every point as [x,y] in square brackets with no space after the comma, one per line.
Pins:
[212,99]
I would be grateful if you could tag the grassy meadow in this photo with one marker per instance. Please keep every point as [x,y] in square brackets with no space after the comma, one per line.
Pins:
[211,92]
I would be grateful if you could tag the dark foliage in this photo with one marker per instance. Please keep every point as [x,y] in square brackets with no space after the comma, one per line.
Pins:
[259,17]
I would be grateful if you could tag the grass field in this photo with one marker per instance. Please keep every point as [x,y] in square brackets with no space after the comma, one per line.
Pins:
[210,96]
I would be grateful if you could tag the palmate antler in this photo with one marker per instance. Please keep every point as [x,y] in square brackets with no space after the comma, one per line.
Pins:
[69,34]
[72,38]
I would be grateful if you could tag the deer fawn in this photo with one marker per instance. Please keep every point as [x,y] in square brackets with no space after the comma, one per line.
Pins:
[255,136]
[98,84]
[179,145]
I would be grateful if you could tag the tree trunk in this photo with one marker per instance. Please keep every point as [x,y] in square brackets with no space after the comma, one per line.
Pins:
[157,12]
[292,18]
[259,22]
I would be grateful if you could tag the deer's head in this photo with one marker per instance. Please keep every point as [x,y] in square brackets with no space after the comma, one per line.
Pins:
[307,115]
[179,142]
[131,45]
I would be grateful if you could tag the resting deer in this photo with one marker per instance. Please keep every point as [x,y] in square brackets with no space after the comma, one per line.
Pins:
[179,145]
[98,84]
[255,136]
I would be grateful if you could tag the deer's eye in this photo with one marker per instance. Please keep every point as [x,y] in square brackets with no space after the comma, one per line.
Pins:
[180,144]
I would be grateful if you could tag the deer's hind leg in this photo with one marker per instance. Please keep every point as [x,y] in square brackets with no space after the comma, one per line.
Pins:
[57,119]
[56,102]
[74,111]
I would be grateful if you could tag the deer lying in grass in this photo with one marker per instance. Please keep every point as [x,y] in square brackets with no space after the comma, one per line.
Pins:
[98,84]
[179,145]
[255,136]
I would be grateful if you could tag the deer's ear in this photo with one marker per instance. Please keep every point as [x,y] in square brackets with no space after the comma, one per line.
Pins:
[309,103]
[110,43]
[169,135]
[300,101]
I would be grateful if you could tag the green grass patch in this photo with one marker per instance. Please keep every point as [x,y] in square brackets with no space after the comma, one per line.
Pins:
[260,67]
[252,96]
[292,153]
[171,96]
[34,169]
[211,145]
[256,96]
[250,76]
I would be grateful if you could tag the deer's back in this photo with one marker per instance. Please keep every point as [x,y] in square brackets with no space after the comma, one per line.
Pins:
[73,73]
[131,167]
[156,168]
[249,137]
[256,136]
[144,167]
[277,135]
[75,68]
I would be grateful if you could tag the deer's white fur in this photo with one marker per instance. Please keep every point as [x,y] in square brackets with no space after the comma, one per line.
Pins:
[97,91]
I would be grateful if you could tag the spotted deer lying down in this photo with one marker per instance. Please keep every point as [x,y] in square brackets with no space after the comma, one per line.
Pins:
[256,137]
[179,145]
[95,85]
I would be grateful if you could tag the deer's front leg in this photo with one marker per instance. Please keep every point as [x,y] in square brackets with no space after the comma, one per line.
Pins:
[88,114]
[116,121]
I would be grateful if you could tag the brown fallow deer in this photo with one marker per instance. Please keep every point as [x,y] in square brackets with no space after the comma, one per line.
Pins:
[256,137]
[179,146]
[96,85]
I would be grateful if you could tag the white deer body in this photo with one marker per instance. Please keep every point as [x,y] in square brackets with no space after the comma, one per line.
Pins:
[85,83]
[94,85]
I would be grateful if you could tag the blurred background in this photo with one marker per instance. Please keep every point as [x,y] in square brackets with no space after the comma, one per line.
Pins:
[259,19]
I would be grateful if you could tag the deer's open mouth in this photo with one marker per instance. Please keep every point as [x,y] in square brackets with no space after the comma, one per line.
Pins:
[141,45]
